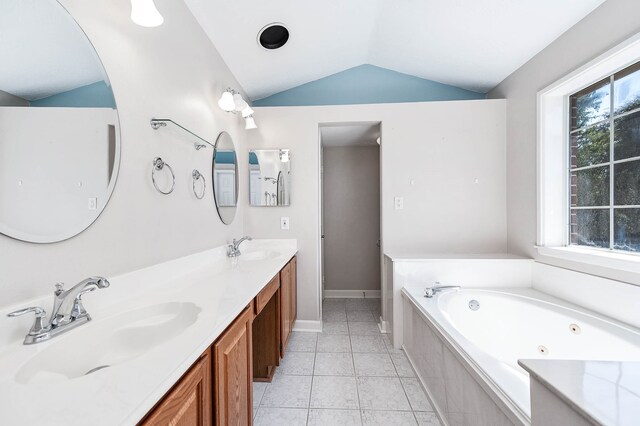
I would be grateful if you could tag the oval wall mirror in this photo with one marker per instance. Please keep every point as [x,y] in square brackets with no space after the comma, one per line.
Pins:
[225,178]
[59,130]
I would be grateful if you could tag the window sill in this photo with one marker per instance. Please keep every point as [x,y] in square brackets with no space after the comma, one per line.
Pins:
[612,260]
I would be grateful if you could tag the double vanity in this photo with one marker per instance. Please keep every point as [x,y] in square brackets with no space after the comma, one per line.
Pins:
[179,342]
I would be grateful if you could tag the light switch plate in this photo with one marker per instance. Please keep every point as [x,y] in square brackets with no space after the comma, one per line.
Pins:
[398,203]
[92,203]
[284,223]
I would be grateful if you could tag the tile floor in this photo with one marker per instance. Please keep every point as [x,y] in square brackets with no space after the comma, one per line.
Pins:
[347,375]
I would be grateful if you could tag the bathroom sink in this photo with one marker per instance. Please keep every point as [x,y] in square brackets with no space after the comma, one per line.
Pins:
[108,342]
[260,255]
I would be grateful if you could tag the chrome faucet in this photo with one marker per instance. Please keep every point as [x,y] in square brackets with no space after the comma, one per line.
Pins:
[436,287]
[67,304]
[68,311]
[233,249]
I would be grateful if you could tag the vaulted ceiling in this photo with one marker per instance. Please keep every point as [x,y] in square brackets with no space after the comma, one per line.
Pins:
[472,44]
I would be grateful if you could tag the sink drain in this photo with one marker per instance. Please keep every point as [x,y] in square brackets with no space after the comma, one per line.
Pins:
[543,350]
[474,305]
[93,370]
[575,329]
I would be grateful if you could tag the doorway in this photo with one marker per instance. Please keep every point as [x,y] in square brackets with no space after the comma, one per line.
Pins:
[350,210]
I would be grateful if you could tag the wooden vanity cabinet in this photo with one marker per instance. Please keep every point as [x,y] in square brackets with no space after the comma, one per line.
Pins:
[266,332]
[217,389]
[233,372]
[288,302]
[189,402]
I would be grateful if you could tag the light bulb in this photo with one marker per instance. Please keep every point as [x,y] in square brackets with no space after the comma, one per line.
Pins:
[226,102]
[145,13]
[250,123]
[247,111]
[239,103]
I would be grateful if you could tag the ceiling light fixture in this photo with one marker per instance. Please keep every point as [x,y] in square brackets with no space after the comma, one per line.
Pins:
[145,13]
[250,123]
[273,36]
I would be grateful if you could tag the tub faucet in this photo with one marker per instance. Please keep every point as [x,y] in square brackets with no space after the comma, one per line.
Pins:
[233,249]
[436,287]
[68,311]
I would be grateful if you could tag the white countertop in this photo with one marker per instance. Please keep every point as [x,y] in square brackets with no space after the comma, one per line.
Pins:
[605,392]
[123,393]
[416,257]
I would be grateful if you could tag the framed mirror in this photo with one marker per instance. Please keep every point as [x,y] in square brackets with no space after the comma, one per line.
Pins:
[225,178]
[270,177]
[59,129]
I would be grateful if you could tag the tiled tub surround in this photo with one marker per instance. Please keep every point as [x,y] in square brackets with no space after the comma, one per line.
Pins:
[468,359]
[123,393]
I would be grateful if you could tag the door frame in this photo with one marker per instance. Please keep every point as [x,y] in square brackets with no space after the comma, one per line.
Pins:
[382,324]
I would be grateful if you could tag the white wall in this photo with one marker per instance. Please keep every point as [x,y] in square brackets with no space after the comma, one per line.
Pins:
[442,146]
[611,23]
[351,217]
[170,71]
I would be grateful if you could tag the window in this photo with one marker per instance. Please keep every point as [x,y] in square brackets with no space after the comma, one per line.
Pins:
[604,163]
[588,165]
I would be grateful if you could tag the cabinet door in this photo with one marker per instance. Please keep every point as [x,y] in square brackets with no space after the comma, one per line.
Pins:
[233,372]
[188,403]
[285,303]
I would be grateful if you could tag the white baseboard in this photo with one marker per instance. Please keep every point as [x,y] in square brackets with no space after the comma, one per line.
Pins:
[306,325]
[383,326]
[352,294]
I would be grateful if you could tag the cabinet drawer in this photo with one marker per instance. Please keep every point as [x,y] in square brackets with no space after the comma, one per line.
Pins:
[267,293]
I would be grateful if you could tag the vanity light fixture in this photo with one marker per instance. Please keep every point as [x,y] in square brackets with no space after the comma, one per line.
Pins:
[239,103]
[247,112]
[145,13]
[226,101]
[250,123]
[232,101]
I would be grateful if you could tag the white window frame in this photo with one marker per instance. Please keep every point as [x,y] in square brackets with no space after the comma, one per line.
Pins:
[553,159]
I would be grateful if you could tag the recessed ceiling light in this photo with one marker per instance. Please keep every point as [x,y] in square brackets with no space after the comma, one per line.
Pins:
[273,36]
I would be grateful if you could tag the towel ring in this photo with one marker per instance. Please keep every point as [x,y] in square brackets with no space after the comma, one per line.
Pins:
[158,164]
[196,175]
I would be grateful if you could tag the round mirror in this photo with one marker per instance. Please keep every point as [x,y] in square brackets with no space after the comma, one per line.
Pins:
[59,131]
[225,178]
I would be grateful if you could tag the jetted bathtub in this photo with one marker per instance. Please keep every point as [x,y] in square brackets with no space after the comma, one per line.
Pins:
[491,329]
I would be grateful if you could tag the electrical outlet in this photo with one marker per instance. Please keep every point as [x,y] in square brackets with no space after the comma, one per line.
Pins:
[398,203]
[92,203]
[284,223]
